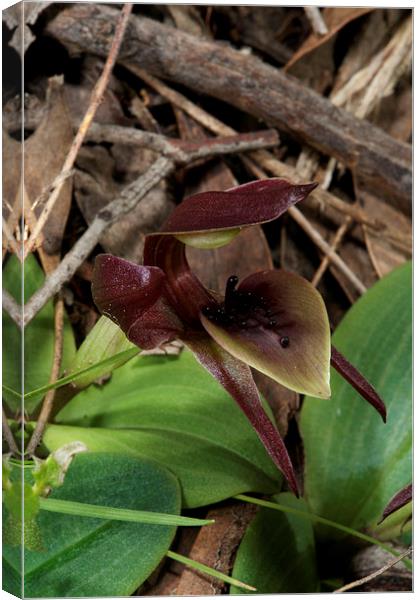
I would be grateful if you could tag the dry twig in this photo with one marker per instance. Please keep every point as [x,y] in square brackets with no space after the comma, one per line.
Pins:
[358,582]
[314,15]
[94,103]
[10,239]
[55,371]
[8,436]
[305,224]
[179,149]
[334,245]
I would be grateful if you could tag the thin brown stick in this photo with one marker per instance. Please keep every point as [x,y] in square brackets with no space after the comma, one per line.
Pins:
[305,224]
[178,99]
[358,582]
[13,309]
[55,371]
[340,234]
[58,181]
[8,436]
[10,239]
[95,100]
[314,15]
[179,149]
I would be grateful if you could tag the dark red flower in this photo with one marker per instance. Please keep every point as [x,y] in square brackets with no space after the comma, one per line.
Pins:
[274,321]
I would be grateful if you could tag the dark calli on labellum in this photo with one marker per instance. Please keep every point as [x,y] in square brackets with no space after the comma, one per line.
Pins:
[273,321]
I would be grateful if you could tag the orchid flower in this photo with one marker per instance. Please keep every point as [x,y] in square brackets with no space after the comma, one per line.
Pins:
[273,320]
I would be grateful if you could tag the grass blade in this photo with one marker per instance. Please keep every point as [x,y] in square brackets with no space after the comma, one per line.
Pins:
[107,362]
[81,509]
[208,570]
[317,519]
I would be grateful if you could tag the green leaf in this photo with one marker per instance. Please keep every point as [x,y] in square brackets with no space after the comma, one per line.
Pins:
[353,462]
[39,335]
[97,557]
[104,341]
[277,552]
[172,410]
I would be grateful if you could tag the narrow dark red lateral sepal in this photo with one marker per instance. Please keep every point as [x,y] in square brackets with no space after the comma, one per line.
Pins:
[236,377]
[248,204]
[357,381]
[398,501]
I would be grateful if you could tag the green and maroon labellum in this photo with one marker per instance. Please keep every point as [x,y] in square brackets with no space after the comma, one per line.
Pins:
[277,323]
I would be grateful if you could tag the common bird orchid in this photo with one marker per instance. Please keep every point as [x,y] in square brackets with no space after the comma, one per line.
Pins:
[273,320]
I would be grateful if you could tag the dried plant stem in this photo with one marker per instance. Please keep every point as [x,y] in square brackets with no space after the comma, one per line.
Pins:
[178,149]
[305,224]
[95,100]
[9,239]
[55,371]
[371,576]
[315,17]
[8,436]
[58,182]
[178,99]
[340,234]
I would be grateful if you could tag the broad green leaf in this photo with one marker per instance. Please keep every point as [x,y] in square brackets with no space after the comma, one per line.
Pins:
[96,557]
[38,339]
[353,462]
[105,340]
[172,410]
[277,552]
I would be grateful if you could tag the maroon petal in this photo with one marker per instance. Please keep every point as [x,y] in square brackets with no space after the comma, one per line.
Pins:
[184,291]
[277,323]
[133,296]
[237,379]
[357,381]
[398,501]
[255,202]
